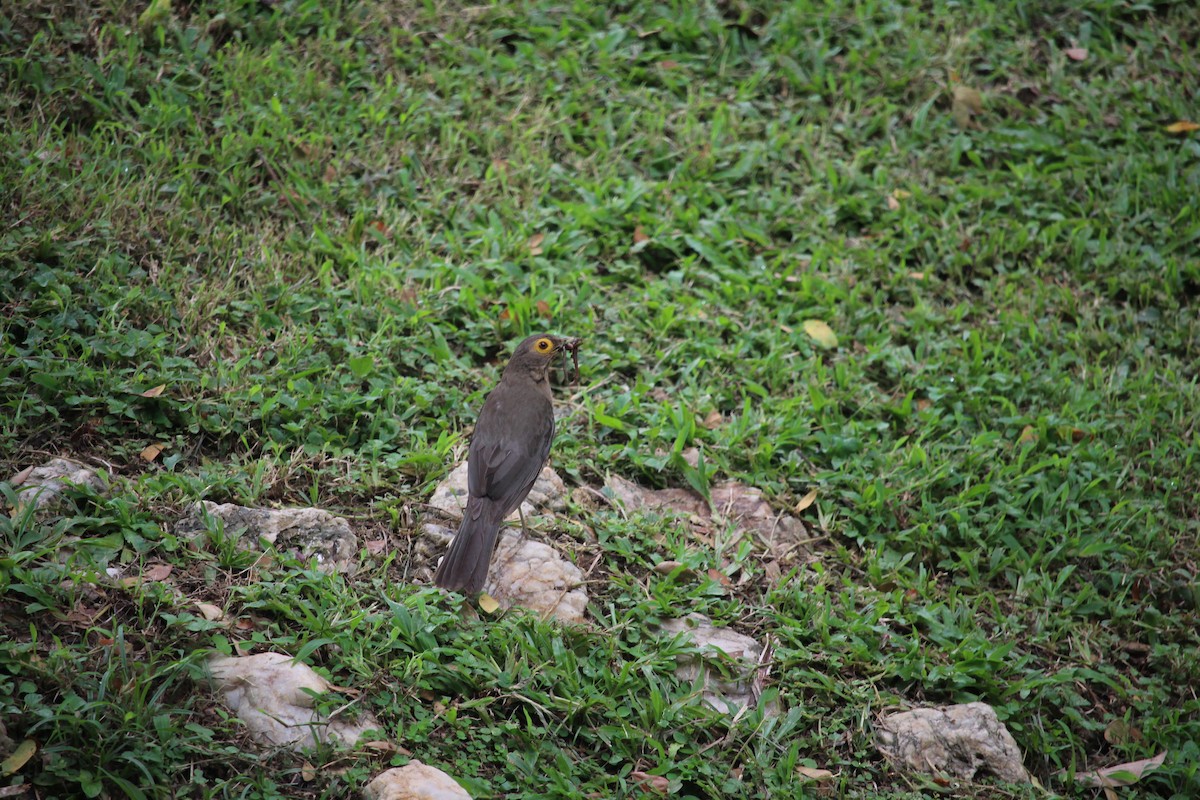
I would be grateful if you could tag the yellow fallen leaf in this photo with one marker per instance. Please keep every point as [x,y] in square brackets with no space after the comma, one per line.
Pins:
[965,104]
[151,452]
[1183,126]
[155,392]
[535,243]
[488,604]
[806,501]
[156,13]
[821,333]
[20,756]
[1028,435]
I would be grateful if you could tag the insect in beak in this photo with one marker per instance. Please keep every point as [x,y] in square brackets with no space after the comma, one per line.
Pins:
[572,346]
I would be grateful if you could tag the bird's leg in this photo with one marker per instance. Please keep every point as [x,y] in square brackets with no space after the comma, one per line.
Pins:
[524,530]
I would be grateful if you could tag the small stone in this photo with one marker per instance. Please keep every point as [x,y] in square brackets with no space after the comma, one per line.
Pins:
[535,576]
[307,533]
[725,695]
[679,502]
[524,572]
[272,694]
[41,486]
[957,740]
[414,781]
[742,506]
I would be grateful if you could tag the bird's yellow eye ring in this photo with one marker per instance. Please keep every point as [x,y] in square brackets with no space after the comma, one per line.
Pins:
[543,345]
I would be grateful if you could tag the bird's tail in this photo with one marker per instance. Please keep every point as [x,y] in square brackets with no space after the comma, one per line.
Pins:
[464,568]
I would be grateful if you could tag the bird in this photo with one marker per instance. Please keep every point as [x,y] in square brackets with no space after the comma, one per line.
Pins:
[509,447]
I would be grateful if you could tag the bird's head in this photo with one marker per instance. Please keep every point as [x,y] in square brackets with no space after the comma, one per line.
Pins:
[538,352]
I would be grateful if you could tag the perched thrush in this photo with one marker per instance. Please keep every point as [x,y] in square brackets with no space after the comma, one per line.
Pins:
[508,449]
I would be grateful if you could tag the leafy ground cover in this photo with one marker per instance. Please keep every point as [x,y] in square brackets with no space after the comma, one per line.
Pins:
[319,227]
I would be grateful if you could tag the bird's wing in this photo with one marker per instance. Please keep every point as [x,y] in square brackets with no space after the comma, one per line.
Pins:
[510,445]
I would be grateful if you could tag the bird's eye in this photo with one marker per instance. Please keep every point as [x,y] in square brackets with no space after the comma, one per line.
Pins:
[543,345]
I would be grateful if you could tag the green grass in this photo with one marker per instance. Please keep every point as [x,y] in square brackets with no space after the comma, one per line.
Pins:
[312,222]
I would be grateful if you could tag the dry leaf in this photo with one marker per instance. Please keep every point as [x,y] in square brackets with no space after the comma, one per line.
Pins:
[668,64]
[505,315]
[814,774]
[965,104]
[381,228]
[1183,126]
[385,746]
[158,573]
[639,235]
[820,333]
[922,404]
[244,624]
[376,546]
[1076,53]
[1121,732]
[150,452]
[543,309]
[210,612]
[21,476]
[719,577]
[308,773]
[488,604]
[1121,774]
[535,243]
[155,392]
[773,570]
[917,276]
[1028,435]
[806,501]
[713,420]
[330,173]
[892,203]
[667,567]
[650,783]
